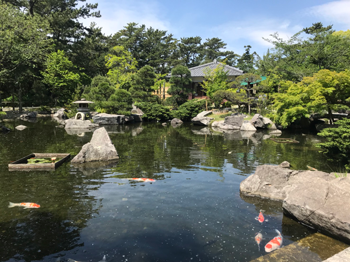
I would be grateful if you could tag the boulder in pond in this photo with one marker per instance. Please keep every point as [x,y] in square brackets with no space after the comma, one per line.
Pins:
[79,124]
[60,114]
[21,127]
[176,122]
[201,119]
[108,119]
[247,126]
[321,203]
[100,148]
[28,115]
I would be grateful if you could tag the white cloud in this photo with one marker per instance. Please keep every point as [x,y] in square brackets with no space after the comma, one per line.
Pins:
[335,12]
[115,17]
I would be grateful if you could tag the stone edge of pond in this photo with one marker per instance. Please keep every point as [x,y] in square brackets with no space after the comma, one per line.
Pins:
[314,198]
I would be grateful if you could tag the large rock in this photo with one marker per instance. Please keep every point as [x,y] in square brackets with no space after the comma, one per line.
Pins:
[223,126]
[236,121]
[322,203]
[4,129]
[259,121]
[176,122]
[60,114]
[315,198]
[79,124]
[108,119]
[28,115]
[247,126]
[100,148]
[201,119]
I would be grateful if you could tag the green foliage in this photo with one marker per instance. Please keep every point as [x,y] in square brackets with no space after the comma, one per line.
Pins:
[153,111]
[189,110]
[233,96]
[143,85]
[323,92]
[337,145]
[180,85]
[215,79]
[62,77]
[120,64]
[248,60]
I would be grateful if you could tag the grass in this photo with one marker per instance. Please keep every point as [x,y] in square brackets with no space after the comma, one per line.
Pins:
[337,175]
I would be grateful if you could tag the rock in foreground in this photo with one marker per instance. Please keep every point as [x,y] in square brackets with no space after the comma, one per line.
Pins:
[315,198]
[100,148]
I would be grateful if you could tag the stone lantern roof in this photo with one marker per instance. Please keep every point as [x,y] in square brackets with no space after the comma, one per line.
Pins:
[83,101]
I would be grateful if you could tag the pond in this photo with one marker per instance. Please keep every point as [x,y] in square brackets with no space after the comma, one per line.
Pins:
[192,212]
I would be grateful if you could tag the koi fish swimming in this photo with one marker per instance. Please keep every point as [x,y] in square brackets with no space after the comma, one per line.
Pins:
[275,243]
[25,205]
[141,179]
[261,217]
[258,238]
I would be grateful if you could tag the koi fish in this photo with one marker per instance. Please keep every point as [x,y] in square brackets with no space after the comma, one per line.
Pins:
[142,179]
[275,243]
[25,205]
[258,238]
[261,217]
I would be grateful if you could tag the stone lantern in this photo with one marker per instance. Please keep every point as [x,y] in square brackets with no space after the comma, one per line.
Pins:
[83,109]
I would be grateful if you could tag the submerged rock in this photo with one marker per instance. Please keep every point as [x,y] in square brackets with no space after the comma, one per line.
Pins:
[100,148]
[79,124]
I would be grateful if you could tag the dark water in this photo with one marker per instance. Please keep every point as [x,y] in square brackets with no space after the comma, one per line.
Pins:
[193,212]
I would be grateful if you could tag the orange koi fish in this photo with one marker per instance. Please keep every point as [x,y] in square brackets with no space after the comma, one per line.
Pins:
[258,238]
[261,217]
[142,179]
[25,205]
[275,243]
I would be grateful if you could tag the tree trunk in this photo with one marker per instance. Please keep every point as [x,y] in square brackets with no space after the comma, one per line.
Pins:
[164,91]
[20,99]
[330,116]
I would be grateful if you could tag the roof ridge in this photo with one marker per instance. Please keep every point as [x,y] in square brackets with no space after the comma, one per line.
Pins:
[199,66]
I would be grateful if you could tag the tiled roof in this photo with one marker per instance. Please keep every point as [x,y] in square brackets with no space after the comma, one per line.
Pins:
[199,70]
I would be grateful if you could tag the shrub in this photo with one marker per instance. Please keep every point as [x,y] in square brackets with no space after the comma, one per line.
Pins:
[337,145]
[189,110]
[153,111]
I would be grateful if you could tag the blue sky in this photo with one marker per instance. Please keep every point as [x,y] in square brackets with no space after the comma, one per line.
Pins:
[237,23]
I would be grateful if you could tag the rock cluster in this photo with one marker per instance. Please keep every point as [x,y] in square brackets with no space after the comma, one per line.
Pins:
[315,198]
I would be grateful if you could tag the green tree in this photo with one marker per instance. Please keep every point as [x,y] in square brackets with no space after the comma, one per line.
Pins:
[190,49]
[212,49]
[246,83]
[322,93]
[142,85]
[215,79]
[337,145]
[62,77]
[121,65]
[24,46]
[180,85]
[248,60]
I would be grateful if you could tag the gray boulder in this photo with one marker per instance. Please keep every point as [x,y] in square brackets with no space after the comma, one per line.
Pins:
[79,124]
[21,127]
[28,115]
[285,164]
[176,122]
[201,119]
[322,203]
[100,148]
[259,121]
[247,126]
[60,114]
[108,119]
[223,126]
[236,121]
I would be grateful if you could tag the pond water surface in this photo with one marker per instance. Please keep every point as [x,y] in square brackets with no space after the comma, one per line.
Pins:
[193,212]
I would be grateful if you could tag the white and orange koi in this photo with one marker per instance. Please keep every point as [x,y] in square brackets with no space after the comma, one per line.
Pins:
[141,179]
[25,205]
[275,243]
[258,238]
[261,217]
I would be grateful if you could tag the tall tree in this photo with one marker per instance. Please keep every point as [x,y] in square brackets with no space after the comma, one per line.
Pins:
[213,48]
[180,85]
[62,77]
[190,49]
[23,48]
[248,60]
[142,85]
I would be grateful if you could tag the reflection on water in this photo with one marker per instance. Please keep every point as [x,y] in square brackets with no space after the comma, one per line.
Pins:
[193,212]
